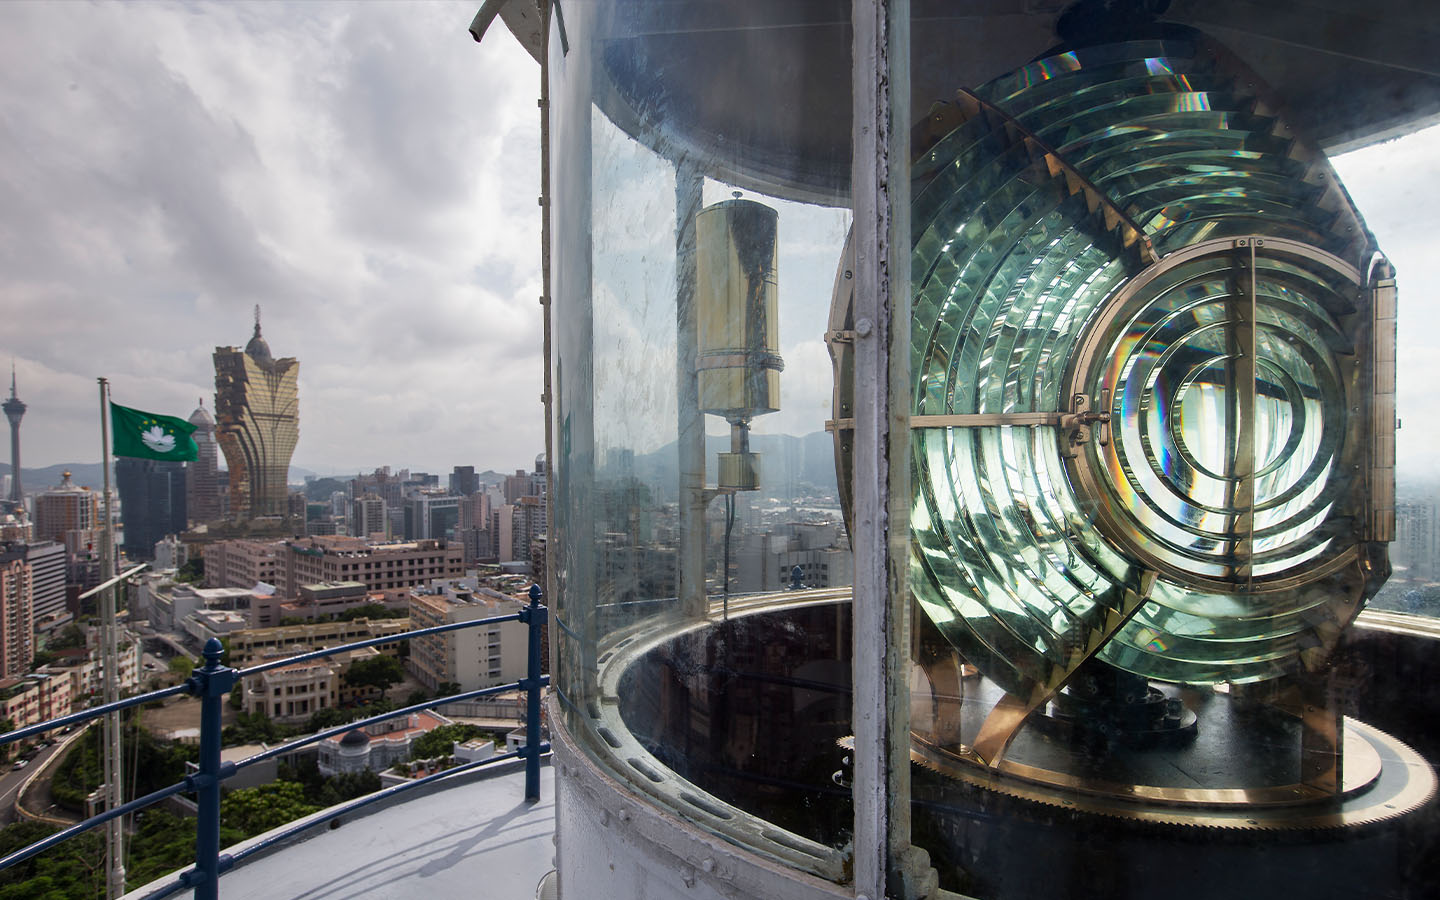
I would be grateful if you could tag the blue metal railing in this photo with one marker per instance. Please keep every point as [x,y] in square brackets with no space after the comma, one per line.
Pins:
[213,681]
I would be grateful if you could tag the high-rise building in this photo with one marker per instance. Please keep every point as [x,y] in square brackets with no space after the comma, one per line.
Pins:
[152,502]
[47,576]
[431,515]
[367,517]
[17,612]
[473,658]
[464,481]
[257,424]
[14,410]
[68,513]
[202,492]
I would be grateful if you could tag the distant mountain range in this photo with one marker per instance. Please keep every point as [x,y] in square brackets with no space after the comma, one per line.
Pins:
[83,474]
[790,465]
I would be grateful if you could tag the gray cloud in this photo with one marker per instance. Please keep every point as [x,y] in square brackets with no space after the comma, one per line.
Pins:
[364,172]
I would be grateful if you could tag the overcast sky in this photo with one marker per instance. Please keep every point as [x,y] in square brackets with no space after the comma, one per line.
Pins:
[367,174]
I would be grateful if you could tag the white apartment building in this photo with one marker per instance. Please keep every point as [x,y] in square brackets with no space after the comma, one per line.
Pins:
[474,658]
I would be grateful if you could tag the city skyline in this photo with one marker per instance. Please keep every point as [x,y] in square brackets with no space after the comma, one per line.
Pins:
[169,167]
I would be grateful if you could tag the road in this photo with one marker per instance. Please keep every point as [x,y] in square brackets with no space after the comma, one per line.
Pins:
[11,780]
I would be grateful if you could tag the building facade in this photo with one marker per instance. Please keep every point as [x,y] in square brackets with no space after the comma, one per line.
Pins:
[17,612]
[295,692]
[367,517]
[153,498]
[431,516]
[375,747]
[473,658]
[243,563]
[202,482]
[383,566]
[257,411]
[68,513]
[255,645]
[47,573]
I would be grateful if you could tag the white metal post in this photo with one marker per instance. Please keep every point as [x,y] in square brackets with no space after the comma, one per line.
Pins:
[880,194]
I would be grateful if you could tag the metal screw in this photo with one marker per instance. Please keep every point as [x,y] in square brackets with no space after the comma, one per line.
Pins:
[707,864]
[863,327]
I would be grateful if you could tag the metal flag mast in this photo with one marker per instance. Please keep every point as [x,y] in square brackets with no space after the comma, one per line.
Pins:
[114,795]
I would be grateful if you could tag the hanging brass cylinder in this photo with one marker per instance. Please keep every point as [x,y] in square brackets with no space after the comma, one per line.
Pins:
[736,289]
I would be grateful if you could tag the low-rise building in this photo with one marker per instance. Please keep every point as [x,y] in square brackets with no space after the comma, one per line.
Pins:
[295,692]
[379,566]
[169,612]
[34,698]
[473,658]
[204,624]
[375,747]
[329,598]
[253,645]
[84,669]
[242,563]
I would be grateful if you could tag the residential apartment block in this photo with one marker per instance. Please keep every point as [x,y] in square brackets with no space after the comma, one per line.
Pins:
[254,645]
[379,566]
[473,658]
[242,563]
[17,611]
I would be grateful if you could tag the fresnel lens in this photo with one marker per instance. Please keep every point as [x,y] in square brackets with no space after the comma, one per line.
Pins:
[1152,435]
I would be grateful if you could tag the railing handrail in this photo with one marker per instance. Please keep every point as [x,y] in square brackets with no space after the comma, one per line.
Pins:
[213,681]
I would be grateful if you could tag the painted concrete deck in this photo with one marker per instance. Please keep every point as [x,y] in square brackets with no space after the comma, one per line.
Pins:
[477,838]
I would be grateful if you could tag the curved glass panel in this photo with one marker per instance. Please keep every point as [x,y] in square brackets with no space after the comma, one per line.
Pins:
[699,543]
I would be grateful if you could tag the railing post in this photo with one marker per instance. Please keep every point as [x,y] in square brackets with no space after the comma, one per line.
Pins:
[210,684]
[534,616]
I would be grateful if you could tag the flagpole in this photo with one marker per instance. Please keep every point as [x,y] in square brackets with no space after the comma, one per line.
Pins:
[114,829]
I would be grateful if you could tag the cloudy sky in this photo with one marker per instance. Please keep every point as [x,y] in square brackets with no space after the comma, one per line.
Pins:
[363,171]
[367,174]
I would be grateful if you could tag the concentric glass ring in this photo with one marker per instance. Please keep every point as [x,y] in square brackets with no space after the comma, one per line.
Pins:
[1207,531]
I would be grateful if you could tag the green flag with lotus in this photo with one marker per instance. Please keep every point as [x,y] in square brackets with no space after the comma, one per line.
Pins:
[148,435]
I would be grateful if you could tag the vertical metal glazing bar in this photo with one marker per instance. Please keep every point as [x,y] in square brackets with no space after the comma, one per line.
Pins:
[691,582]
[534,618]
[880,192]
[545,299]
[1382,401]
[1242,408]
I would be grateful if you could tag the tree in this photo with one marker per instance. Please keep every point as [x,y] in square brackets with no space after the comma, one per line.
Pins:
[321,488]
[259,809]
[371,611]
[256,728]
[437,742]
[68,638]
[74,869]
[192,572]
[380,671]
[182,666]
[348,786]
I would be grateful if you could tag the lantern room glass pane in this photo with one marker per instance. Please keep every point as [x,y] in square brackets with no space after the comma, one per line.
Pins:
[702,565]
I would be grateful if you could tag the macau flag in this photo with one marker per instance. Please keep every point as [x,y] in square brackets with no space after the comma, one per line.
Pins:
[148,436]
